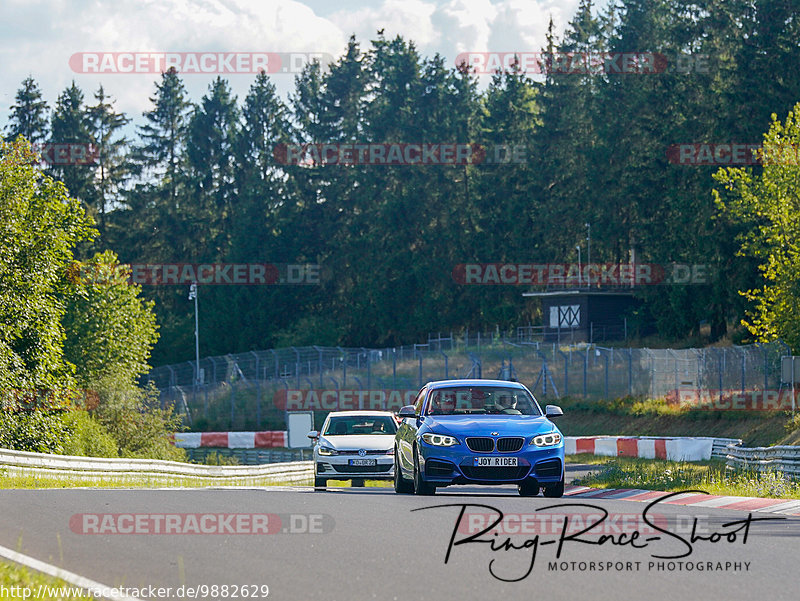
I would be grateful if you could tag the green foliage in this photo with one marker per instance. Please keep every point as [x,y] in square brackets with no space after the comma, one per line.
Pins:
[85,436]
[110,329]
[134,417]
[769,202]
[41,226]
[33,431]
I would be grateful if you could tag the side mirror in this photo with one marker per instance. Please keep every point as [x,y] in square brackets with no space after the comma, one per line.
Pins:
[551,411]
[407,411]
[313,435]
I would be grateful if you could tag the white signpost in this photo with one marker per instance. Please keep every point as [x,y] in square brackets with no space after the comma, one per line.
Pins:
[299,424]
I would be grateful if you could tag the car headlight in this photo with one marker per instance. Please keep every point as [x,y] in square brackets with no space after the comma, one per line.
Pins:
[546,440]
[328,451]
[439,440]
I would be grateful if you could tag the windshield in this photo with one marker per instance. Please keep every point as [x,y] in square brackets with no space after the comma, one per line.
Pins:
[481,400]
[360,424]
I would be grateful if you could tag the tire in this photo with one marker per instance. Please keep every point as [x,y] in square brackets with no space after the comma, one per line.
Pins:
[357,483]
[320,483]
[556,491]
[527,489]
[401,485]
[420,486]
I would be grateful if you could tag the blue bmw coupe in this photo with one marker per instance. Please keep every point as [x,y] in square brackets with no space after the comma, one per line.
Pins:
[478,432]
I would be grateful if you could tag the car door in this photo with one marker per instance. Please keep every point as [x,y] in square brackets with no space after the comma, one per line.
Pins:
[407,432]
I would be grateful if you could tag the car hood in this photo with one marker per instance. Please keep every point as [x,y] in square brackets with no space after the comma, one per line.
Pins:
[368,442]
[485,425]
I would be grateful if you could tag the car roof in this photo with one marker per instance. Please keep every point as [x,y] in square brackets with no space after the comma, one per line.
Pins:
[357,413]
[486,383]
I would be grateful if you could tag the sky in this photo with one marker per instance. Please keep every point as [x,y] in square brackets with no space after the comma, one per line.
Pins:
[58,41]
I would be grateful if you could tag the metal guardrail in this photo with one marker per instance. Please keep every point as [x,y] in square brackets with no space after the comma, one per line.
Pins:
[64,466]
[784,459]
[720,448]
[251,456]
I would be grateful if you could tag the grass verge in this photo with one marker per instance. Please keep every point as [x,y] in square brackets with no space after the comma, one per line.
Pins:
[710,476]
[637,417]
[31,582]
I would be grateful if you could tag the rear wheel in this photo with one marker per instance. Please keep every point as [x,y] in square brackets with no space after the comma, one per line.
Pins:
[528,489]
[420,486]
[320,483]
[556,490]
[401,485]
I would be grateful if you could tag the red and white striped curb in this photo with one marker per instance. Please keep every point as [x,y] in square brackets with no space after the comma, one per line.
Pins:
[781,506]
[232,440]
[672,448]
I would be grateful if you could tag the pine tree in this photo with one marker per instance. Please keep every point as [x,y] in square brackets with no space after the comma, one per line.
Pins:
[29,117]
[114,165]
[70,125]
[210,153]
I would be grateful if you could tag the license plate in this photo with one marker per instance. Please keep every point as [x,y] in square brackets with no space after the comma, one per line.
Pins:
[494,462]
[363,462]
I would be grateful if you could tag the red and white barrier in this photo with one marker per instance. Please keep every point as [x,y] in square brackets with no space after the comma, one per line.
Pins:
[647,447]
[232,440]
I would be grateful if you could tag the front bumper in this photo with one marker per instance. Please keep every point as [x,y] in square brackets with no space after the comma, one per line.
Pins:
[443,466]
[338,467]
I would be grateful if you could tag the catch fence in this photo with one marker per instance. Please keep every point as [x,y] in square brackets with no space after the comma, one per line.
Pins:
[252,391]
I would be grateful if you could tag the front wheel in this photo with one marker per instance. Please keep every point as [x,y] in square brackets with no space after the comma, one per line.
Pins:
[420,486]
[320,483]
[527,489]
[401,485]
[356,483]
[556,490]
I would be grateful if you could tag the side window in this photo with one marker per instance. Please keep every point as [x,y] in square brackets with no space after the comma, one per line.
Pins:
[420,399]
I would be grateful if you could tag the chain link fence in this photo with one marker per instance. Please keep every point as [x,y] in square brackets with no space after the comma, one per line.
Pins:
[252,391]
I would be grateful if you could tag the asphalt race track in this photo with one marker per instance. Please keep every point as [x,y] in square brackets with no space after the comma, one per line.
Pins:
[368,543]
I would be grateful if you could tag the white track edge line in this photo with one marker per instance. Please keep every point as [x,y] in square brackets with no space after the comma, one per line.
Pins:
[69,577]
